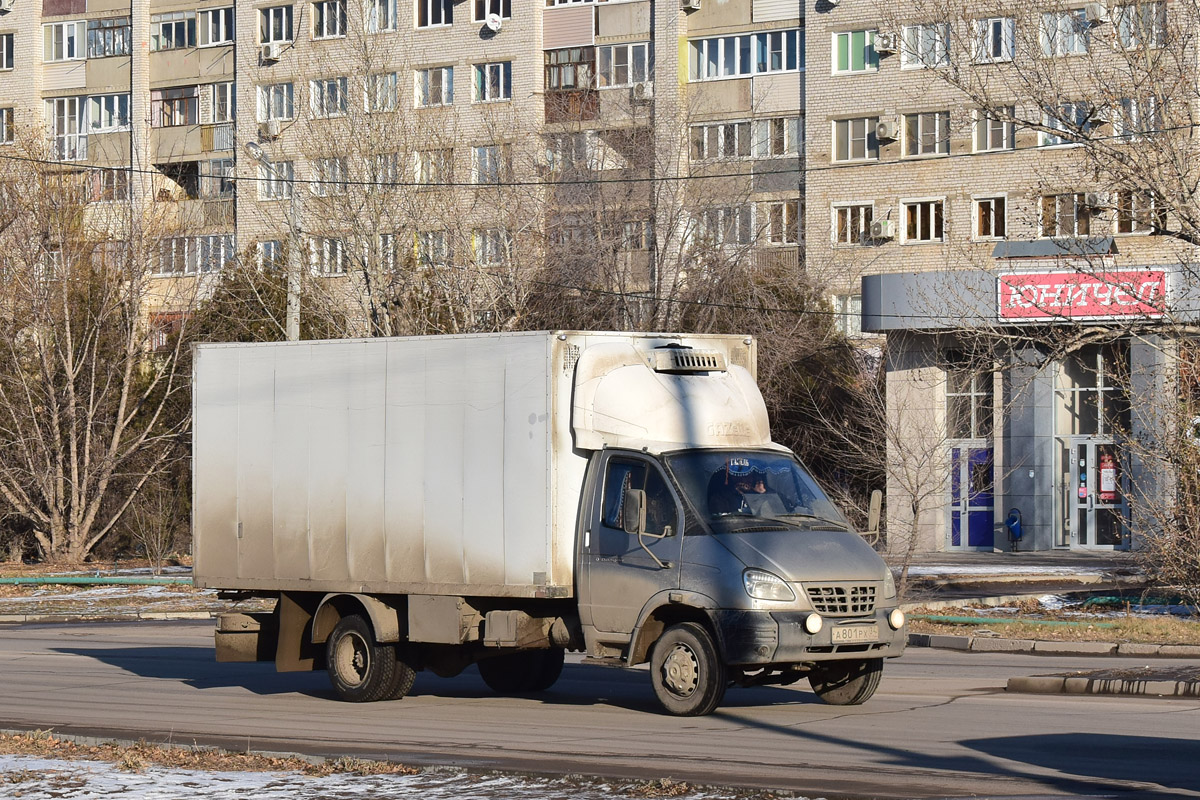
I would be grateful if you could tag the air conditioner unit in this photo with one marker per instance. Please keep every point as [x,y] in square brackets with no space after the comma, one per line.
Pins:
[6,6]
[882,229]
[885,42]
[1095,199]
[270,52]
[1096,13]
[642,91]
[270,129]
[689,5]
[886,130]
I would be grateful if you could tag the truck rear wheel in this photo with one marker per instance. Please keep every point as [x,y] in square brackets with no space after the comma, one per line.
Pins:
[846,683]
[686,671]
[360,669]
[522,672]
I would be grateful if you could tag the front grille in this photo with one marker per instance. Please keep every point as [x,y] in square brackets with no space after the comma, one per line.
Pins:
[842,599]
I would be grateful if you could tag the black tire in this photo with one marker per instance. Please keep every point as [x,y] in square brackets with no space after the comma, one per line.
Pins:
[686,671]
[522,672]
[360,669]
[846,683]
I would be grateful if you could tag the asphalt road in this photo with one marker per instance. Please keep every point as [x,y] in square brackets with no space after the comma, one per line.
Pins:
[941,724]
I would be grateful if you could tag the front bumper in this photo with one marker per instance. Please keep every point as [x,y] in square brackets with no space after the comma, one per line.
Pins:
[761,638]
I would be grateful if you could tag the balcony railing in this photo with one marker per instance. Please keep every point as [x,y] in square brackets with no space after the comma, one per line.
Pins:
[69,147]
[217,137]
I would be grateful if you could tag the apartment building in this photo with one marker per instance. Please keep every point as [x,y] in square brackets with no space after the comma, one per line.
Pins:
[953,210]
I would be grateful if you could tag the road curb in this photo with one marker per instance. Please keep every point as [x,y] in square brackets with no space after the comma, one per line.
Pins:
[992,644]
[25,619]
[1059,684]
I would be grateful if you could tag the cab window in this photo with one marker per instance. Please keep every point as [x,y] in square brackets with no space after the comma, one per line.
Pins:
[660,503]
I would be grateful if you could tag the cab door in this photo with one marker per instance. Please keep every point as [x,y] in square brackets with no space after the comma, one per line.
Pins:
[619,574]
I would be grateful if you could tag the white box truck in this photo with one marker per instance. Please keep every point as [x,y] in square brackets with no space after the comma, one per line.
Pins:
[434,502]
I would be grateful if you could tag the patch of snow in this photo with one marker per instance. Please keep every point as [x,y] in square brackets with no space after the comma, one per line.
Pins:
[998,569]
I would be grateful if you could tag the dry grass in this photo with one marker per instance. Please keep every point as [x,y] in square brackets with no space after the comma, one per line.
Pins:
[1148,630]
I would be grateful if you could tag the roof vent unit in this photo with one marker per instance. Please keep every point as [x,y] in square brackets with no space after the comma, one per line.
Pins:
[882,229]
[642,91]
[887,130]
[270,129]
[270,52]
[686,360]
[885,43]
[689,5]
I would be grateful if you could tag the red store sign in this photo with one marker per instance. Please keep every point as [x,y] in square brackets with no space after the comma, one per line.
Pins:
[1081,295]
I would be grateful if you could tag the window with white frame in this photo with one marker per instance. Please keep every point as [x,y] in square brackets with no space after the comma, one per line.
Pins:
[635,235]
[434,87]
[6,51]
[192,255]
[381,15]
[382,92]
[217,178]
[854,51]
[481,9]
[224,103]
[570,69]
[491,246]
[8,127]
[329,176]
[329,19]
[852,223]
[67,120]
[433,248]
[1136,117]
[179,105]
[64,41]
[623,64]
[109,37]
[745,54]
[1074,119]
[276,180]
[108,185]
[994,130]
[1141,24]
[927,133]
[489,163]
[328,256]
[1138,212]
[216,26]
[1066,33]
[432,13]
[925,45]
[990,221]
[173,31]
[847,310]
[1066,215]
[726,225]
[328,97]
[493,82]
[854,139]
[275,25]
[781,221]
[275,101]
[108,112]
[434,166]
[969,401]
[995,39]
[721,140]
[570,2]
[383,169]
[270,254]
[924,220]
[776,137]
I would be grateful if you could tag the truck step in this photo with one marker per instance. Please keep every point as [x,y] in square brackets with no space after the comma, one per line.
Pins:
[610,661]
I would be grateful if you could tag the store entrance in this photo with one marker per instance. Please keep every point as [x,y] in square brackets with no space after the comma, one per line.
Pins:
[1095,512]
[972,498]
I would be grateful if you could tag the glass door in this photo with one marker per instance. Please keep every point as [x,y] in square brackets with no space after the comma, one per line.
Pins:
[972,498]
[1095,496]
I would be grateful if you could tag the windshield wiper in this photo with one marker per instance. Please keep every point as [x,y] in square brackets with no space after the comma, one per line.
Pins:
[832,523]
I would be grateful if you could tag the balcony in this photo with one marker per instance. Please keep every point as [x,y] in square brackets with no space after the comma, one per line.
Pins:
[217,137]
[69,147]
[575,106]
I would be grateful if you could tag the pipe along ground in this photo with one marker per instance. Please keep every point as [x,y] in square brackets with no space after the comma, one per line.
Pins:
[87,580]
[977,620]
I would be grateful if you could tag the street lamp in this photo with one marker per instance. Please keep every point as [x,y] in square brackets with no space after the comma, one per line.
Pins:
[292,319]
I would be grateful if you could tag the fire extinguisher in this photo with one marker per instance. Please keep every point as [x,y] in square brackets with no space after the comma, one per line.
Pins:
[1108,479]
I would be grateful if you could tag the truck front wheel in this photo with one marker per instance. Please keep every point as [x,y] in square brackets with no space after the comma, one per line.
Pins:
[522,672]
[846,683]
[360,669]
[686,671]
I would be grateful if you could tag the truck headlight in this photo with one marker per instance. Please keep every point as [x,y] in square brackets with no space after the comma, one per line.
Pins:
[889,583]
[764,586]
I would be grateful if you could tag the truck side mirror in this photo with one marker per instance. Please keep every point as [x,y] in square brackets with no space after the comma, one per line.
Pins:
[633,511]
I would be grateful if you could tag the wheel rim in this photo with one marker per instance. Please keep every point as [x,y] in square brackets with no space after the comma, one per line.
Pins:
[352,658]
[681,671]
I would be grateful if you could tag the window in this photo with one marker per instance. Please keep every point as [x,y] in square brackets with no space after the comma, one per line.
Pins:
[384,169]
[8,131]
[434,166]
[224,98]
[433,248]
[276,180]
[108,37]
[489,163]
[435,87]
[275,102]
[927,134]
[382,92]
[270,254]
[381,16]
[67,117]
[570,69]
[105,185]
[726,225]
[1074,119]
[634,235]
[661,511]
[989,218]
[493,82]
[925,45]
[6,51]
[623,64]
[327,97]
[329,19]
[190,255]
[431,13]
[491,246]
[779,136]
[330,176]
[108,112]
[63,41]
[745,54]
[1136,117]
[1141,25]
[1137,212]
[482,8]
[852,224]
[216,26]
[995,39]
[854,139]
[968,403]
[573,151]
[217,178]
[721,140]
[1066,215]
[173,31]
[994,133]
[1066,33]
[328,256]
[172,107]
[854,51]
[782,221]
[847,310]
[923,221]
[275,24]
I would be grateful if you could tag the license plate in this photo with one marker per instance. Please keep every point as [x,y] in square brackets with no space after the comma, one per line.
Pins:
[855,633]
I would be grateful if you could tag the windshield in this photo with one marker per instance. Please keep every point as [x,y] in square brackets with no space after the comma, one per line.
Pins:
[736,487]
